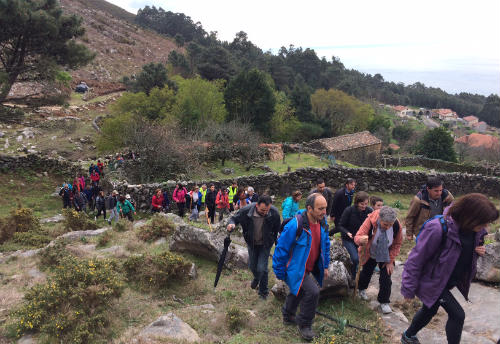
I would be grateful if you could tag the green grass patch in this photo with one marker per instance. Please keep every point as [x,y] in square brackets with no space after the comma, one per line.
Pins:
[296,161]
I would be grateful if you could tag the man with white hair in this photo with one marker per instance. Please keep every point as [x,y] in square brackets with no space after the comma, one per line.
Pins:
[252,195]
[379,239]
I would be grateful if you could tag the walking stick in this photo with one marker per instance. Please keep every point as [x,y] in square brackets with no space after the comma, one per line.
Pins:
[358,272]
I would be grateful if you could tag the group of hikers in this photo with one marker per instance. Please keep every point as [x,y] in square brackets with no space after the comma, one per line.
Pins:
[85,194]
[449,238]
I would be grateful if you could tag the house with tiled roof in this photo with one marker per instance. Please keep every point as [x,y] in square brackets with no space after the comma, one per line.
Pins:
[476,140]
[446,114]
[480,127]
[361,148]
[471,120]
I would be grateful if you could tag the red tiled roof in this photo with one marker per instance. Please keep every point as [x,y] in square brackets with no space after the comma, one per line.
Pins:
[399,107]
[479,140]
[393,146]
[470,118]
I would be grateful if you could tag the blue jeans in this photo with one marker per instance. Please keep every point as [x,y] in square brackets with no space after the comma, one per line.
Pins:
[352,249]
[258,260]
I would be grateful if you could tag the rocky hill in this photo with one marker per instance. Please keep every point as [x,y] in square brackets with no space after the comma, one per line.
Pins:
[122,47]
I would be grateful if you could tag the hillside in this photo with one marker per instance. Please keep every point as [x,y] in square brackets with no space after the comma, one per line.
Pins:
[122,47]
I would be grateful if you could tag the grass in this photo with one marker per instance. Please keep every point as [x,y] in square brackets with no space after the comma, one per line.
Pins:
[296,161]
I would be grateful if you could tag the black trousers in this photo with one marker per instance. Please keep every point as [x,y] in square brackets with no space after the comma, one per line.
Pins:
[456,317]
[211,214]
[307,297]
[66,203]
[182,208]
[103,211]
[385,282]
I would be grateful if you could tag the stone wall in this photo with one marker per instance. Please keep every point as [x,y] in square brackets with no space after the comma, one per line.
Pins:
[369,179]
[441,165]
[39,163]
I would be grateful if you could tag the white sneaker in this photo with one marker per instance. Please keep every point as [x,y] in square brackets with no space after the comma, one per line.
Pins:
[386,309]
[362,295]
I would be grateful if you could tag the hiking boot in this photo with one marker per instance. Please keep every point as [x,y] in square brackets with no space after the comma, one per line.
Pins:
[362,295]
[306,332]
[289,320]
[95,218]
[386,309]
[254,284]
[263,297]
[109,222]
[409,340]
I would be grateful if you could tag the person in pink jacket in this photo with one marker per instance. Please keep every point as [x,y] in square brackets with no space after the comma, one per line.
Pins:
[179,197]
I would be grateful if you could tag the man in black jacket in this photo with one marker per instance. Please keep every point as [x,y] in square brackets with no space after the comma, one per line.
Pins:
[352,218]
[341,200]
[210,203]
[260,223]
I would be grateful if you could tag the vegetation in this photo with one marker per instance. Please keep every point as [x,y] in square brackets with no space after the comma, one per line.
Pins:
[437,144]
[152,75]
[77,221]
[158,227]
[37,39]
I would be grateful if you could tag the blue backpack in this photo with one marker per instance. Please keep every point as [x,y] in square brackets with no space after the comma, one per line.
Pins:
[444,227]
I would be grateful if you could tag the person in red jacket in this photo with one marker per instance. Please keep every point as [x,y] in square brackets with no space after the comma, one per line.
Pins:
[222,202]
[100,166]
[179,197]
[157,201]
[95,178]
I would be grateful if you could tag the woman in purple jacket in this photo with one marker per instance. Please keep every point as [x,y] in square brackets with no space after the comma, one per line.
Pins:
[445,257]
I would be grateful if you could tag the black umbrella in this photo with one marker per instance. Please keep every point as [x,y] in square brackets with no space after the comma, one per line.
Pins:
[222,258]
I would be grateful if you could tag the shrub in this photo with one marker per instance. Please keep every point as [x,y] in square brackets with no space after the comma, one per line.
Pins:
[53,255]
[31,238]
[397,204]
[71,306]
[104,239]
[23,227]
[236,319]
[159,227]
[123,225]
[77,221]
[157,270]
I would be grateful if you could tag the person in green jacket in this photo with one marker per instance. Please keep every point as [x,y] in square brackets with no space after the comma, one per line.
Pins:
[125,208]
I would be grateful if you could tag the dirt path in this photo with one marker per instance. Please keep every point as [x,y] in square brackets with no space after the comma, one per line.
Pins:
[482,325]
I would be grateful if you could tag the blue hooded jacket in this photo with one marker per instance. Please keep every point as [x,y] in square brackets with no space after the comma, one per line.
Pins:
[291,253]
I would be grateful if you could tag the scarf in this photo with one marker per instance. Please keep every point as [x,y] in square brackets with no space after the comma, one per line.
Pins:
[349,195]
[382,248]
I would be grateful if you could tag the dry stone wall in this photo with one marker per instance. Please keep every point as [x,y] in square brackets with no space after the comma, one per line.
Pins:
[369,179]
[36,162]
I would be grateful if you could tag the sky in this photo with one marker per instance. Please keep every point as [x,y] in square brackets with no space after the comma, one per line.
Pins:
[454,45]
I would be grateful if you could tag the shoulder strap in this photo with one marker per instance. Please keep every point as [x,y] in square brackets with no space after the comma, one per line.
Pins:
[300,225]
[442,221]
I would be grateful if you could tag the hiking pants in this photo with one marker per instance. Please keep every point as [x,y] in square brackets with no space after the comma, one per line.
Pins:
[182,208]
[129,216]
[307,297]
[194,214]
[211,213]
[66,203]
[456,317]
[222,211]
[352,249]
[258,260]
[103,211]
[385,282]
[114,215]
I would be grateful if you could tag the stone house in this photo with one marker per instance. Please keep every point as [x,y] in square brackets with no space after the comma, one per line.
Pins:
[471,120]
[361,148]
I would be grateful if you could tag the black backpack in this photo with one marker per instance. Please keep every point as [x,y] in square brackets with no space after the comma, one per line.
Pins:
[300,224]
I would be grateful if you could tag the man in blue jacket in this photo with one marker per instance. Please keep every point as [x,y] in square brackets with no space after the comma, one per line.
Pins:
[303,251]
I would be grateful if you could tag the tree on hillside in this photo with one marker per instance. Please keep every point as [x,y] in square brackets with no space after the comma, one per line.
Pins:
[199,103]
[152,75]
[437,144]
[215,63]
[35,40]
[284,123]
[249,98]
[491,111]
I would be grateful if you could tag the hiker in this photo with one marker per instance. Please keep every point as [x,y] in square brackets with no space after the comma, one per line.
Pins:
[81,178]
[91,168]
[131,200]
[341,200]
[78,201]
[179,197]
[76,184]
[444,257]
[254,197]
[231,192]
[100,205]
[195,203]
[157,201]
[427,203]
[166,201]
[89,195]
[113,206]
[376,202]
[241,199]
[210,202]
[203,191]
[303,251]
[125,208]
[379,239]
[222,201]
[100,168]
[65,194]
[352,218]
[326,192]
[290,205]
[260,223]
[95,178]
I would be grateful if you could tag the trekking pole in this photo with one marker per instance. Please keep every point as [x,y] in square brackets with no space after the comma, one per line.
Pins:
[329,317]
[357,273]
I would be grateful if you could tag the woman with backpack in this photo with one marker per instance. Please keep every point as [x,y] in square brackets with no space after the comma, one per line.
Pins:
[352,218]
[290,205]
[445,257]
[242,199]
[100,205]
[179,197]
[125,208]
[379,239]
